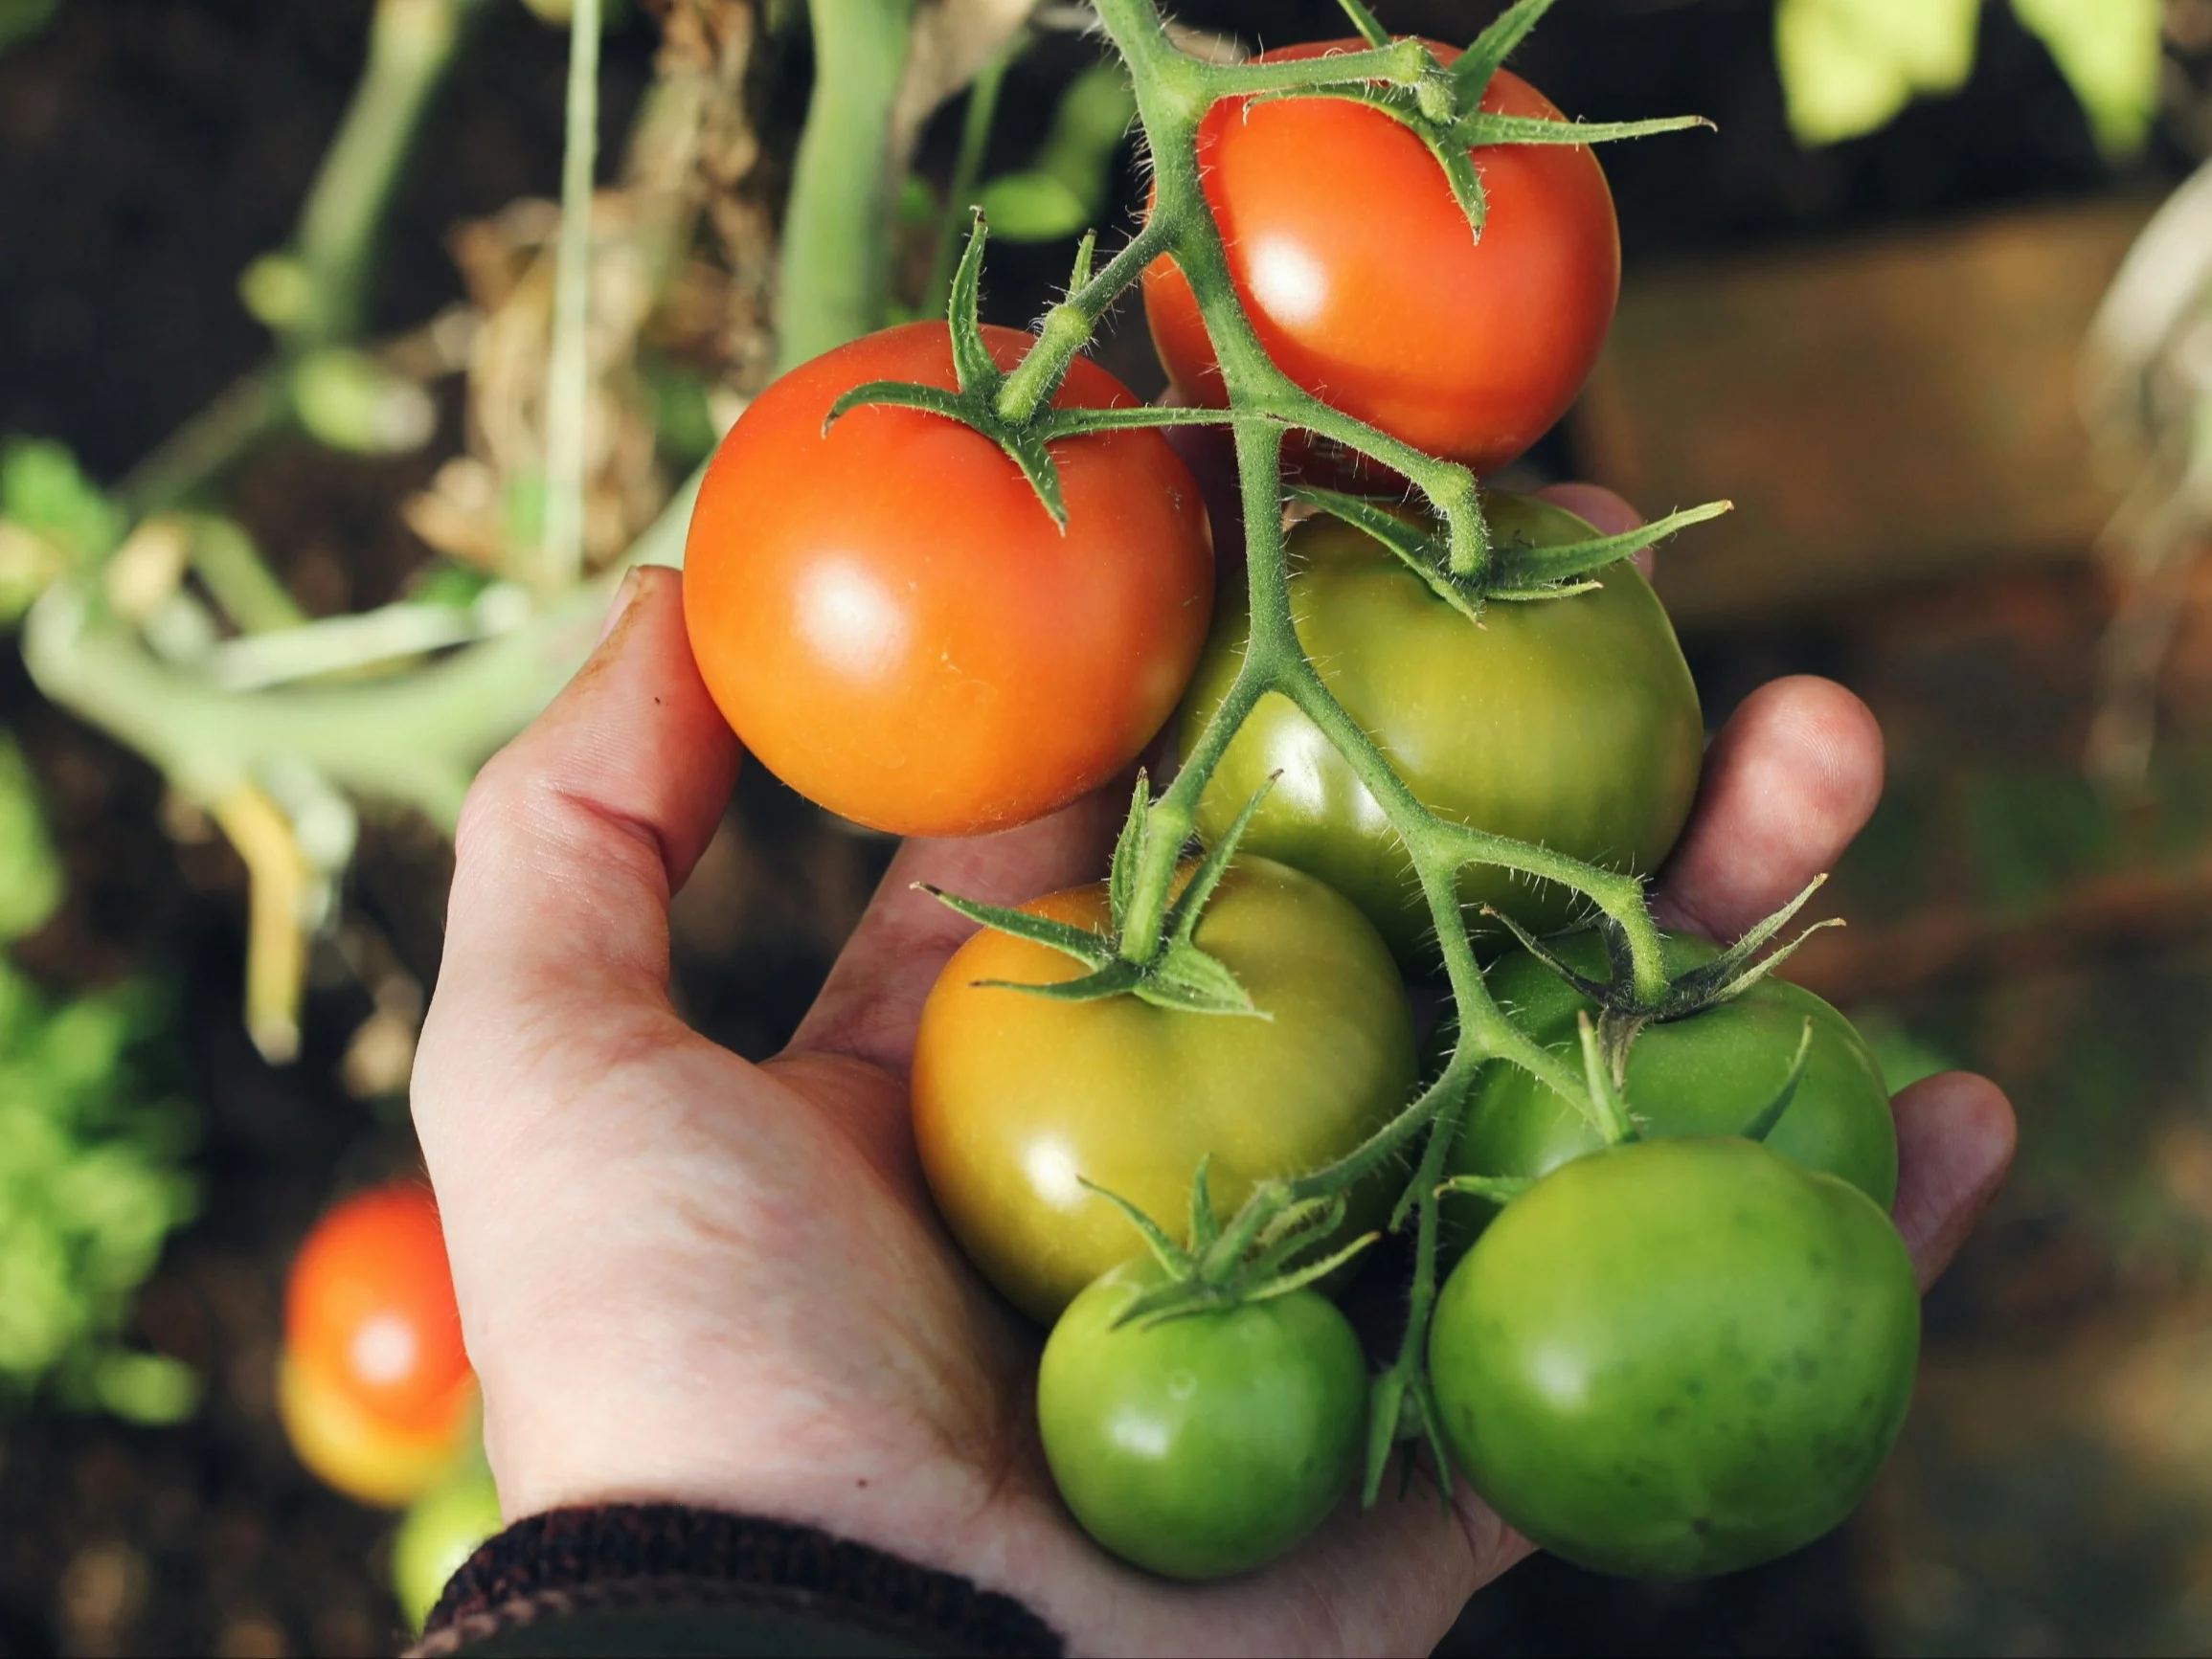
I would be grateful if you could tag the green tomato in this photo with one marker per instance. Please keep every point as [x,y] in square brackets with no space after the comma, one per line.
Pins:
[1712,1073]
[437,1536]
[1678,1357]
[1571,723]
[1204,1445]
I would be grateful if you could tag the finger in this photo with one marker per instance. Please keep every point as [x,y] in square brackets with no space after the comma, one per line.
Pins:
[576,833]
[1793,776]
[1604,512]
[1955,1143]
[873,999]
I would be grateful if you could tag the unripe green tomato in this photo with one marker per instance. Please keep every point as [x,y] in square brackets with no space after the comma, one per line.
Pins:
[1678,1357]
[438,1535]
[1713,1073]
[1569,722]
[1204,1445]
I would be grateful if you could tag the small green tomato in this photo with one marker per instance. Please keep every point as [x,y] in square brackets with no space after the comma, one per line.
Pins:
[1204,1445]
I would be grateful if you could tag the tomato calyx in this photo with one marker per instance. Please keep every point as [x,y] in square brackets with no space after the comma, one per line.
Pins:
[1516,570]
[1444,107]
[1178,973]
[1251,1261]
[1624,1011]
[978,404]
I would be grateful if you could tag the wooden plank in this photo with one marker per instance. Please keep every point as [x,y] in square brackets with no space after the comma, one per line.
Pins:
[1880,411]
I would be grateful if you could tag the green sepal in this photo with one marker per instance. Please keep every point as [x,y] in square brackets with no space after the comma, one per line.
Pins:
[1115,979]
[1522,571]
[1733,972]
[1092,950]
[1386,1408]
[1461,174]
[1078,422]
[1298,1227]
[1763,1126]
[1475,131]
[1122,875]
[1086,252]
[1028,452]
[1192,981]
[1598,990]
[1500,1190]
[1473,67]
[1170,1255]
[979,372]
[1419,551]
[1433,1430]
[1283,1284]
[902,394]
[1204,1225]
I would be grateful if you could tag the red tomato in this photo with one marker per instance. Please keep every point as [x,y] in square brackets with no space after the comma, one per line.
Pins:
[353,1451]
[1357,269]
[891,621]
[370,1308]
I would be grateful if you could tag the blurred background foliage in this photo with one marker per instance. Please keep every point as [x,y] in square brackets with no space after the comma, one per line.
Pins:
[1890,308]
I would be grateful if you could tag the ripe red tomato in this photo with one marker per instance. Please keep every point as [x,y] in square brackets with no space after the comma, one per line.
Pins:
[892,621]
[369,1309]
[1357,269]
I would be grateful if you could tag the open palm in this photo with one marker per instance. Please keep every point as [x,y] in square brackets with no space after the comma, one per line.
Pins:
[687,1278]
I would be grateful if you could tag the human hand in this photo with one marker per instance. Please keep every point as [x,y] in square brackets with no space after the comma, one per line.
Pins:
[687,1278]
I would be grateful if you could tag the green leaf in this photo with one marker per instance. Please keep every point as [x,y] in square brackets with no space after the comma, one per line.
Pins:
[152,1389]
[1848,66]
[30,874]
[21,19]
[44,491]
[2109,50]
[1088,126]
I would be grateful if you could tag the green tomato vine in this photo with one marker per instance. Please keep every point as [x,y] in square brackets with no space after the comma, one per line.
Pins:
[1150,950]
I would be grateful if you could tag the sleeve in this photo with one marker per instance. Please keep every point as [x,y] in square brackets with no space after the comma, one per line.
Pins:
[658,1579]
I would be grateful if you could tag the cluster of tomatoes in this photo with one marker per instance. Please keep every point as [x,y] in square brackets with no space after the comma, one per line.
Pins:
[374,1387]
[1667,1353]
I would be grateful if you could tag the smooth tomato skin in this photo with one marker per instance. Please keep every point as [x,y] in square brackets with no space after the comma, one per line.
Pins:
[1571,723]
[1710,1074]
[1015,1096]
[890,619]
[1366,286]
[1204,1445]
[352,1450]
[1678,1357]
[369,1306]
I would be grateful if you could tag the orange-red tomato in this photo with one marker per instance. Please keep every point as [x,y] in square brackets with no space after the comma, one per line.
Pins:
[350,1449]
[891,621]
[1357,269]
[370,1308]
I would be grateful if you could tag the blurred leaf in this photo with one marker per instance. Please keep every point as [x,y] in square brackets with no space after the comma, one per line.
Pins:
[30,875]
[147,1388]
[683,414]
[1906,1057]
[21,19]
[42,490]
[2108,50]
[1848,66]
[1033,207]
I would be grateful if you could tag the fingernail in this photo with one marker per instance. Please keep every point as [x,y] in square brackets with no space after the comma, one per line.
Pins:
[625,595]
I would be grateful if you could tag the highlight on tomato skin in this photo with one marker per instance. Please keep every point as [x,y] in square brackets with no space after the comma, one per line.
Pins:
[1468,351]
[892,621]
[370,1308]
[350,1449]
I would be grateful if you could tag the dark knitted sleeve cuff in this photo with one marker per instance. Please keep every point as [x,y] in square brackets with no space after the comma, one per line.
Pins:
[665,1575]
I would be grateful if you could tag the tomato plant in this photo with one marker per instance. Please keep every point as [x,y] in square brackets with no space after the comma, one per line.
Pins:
[1205,1444]
[894,624]
[1712,1073]
[1019,1099]
[1573,724]
[1676,1358]
[368,1311]
[1354,263]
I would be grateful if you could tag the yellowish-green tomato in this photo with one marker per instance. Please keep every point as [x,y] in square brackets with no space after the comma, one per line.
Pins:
[1019,1100]
[1569,722]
